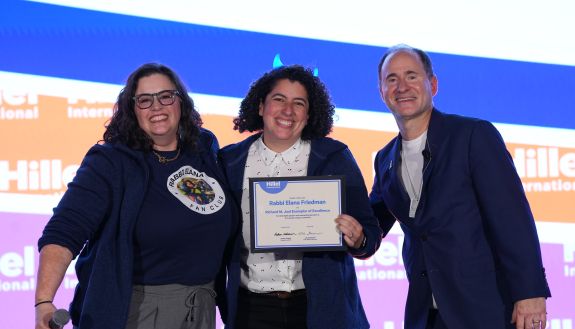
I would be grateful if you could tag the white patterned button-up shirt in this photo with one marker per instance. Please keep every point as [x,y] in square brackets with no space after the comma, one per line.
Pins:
[279,271]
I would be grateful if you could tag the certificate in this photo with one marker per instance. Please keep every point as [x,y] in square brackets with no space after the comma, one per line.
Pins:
[296,213]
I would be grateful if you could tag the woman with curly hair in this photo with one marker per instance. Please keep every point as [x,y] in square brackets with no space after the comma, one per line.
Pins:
[291,111]
[141,242]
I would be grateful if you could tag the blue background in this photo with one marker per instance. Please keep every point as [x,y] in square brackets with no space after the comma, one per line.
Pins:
[58,41]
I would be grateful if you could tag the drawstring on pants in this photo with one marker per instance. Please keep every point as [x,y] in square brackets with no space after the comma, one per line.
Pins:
[191,302]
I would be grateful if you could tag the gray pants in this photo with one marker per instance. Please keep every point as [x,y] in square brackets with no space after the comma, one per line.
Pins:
[173,306]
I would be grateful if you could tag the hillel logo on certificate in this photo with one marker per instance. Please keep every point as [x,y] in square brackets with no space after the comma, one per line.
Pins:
[296,213]
[273,186]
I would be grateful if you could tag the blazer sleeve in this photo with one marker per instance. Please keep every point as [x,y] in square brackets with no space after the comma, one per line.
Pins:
[380,209]
[357,203]
[506,213]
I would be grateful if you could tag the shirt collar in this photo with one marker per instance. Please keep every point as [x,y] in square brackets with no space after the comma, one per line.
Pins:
[288,156]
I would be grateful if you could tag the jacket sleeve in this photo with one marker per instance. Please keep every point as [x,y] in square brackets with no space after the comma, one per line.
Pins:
[85,204]
[357,202]
[380,209]
[506,213]
[209,142]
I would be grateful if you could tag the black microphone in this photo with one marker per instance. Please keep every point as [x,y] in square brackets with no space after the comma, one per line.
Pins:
[59,319]
[426,154]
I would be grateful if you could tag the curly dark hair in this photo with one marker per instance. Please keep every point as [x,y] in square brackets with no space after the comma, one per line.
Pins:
[321,109]
[123,126]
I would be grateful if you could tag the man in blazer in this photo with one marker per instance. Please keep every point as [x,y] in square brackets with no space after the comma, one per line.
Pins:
[471,250]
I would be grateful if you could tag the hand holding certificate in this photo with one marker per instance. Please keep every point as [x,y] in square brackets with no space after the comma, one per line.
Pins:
[296,213]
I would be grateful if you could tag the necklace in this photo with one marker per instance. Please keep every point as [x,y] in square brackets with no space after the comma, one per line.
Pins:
[163,159]
[414,201]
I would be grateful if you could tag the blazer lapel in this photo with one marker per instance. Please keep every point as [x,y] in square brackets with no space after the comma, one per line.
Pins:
[435,135]
[398,199]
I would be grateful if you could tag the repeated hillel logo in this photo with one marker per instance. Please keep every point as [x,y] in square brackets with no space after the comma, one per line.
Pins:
[18,271]
[88,109]
[569,259]
[386,264]
[545,169]
[45,175]
[196,190]
[18,106]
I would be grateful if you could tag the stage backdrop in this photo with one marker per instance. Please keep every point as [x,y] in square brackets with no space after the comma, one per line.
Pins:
[61,68]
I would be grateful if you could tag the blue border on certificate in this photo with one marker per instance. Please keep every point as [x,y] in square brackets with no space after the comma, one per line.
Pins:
[276,186]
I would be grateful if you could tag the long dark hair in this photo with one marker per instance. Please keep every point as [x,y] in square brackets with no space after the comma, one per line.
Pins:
[123,126]
[321,109]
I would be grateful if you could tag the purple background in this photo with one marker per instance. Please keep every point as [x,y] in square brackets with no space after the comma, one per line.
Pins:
[383,298]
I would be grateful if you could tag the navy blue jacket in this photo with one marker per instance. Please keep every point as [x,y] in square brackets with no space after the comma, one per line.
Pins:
[473,240]
[329,277]
[101,207]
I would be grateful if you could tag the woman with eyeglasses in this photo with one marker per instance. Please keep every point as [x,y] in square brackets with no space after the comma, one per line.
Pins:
[148,217]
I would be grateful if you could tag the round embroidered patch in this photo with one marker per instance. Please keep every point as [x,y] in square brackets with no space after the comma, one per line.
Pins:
[198,191]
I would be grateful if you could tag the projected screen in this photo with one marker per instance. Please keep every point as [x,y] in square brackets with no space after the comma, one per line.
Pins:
[62,67]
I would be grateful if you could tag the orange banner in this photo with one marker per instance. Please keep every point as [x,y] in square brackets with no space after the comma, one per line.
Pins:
[44,139]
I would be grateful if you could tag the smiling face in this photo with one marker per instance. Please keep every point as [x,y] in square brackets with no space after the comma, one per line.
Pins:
[284,112]
[159,121]
[405,86]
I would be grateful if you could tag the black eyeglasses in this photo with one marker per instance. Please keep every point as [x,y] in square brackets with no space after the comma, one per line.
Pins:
[165,97]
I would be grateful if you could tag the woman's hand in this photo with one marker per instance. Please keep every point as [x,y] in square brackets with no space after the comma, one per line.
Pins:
[44,314]
[351,229]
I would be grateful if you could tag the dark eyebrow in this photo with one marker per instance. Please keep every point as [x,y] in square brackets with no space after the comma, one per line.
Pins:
[278,94]
[284,96]
[393,75]
[159,92]
[302,99]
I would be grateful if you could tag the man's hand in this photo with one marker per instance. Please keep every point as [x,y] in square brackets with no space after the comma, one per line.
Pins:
[530,313]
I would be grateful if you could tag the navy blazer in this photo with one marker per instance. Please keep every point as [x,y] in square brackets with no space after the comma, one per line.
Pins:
[473,241]
[329,277]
